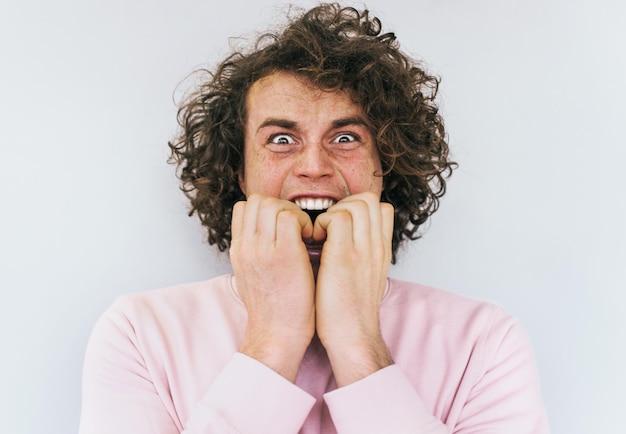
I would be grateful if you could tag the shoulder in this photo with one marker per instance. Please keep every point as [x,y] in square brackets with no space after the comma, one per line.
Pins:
[159,324]
[184,299]
[436,302]
[446,315]
[172,310]
[460,335]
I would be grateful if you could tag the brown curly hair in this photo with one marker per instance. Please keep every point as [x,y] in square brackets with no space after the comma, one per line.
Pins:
[333,47]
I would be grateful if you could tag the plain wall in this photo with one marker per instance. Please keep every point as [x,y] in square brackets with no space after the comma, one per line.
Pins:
[533,95]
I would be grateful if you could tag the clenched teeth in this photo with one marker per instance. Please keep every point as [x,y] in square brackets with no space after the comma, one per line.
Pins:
[316,204]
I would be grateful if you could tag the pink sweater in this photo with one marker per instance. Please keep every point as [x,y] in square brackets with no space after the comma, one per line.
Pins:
[166,362]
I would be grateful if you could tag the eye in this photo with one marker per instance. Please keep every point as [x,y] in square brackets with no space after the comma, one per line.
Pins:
[345,138]
[346,141]
[282,139]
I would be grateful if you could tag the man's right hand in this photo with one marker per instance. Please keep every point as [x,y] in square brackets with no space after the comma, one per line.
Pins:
[275,280]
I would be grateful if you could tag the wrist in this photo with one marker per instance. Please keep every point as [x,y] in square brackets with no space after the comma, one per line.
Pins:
[352,362]
[281,353]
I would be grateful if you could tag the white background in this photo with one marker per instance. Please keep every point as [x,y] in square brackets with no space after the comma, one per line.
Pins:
[533,93]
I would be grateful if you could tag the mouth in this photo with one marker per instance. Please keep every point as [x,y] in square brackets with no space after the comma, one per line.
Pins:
[314,206]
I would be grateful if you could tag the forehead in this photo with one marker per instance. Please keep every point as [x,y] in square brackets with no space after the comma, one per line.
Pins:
[285,93]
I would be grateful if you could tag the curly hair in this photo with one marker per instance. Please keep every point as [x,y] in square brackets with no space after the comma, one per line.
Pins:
[335,48]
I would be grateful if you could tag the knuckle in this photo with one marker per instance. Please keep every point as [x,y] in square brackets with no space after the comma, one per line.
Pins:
[387,207]
[371,196]
[239,206]
[342,216]
[254,197]
[287,215]
[266,203]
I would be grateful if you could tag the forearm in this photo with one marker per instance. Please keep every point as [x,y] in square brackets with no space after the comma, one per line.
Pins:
[282,354]
[133,382]
[353,362]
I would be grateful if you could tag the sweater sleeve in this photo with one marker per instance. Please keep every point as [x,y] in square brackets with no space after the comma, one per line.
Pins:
[384,401]
[248,397]
[499,393]
[120,395]
[505,396]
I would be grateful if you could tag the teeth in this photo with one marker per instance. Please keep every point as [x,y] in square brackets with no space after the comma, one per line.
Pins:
[314,204]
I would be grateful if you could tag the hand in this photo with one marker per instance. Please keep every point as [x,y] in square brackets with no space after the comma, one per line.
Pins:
[351,282]
[275,280]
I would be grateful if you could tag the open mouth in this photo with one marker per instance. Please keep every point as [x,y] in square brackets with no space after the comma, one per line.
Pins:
[313,213]
[314,206]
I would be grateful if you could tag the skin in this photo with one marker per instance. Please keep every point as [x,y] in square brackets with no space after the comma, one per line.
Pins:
[302,142]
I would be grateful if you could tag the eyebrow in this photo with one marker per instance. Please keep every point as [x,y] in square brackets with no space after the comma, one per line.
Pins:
[344,122]
[275,122]
[290,125]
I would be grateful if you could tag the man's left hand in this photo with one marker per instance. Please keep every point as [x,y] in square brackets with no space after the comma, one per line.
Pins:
[351,282]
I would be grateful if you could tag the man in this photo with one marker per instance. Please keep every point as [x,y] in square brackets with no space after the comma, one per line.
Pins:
[312,158]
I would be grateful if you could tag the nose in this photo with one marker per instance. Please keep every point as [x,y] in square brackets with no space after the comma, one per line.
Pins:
[313,162]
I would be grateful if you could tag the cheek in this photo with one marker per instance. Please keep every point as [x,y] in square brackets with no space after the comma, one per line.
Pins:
[376,183]
[263,177]
[378,187]
[377,175]
[363,177]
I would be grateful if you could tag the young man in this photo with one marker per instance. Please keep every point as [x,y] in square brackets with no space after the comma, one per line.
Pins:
[312,158]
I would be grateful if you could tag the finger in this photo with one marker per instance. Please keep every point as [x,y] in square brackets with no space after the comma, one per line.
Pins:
[336,223]
[377,212]
[295,217]
[250,216]
[270,224]
[305,222]
[387,213]
[364,209]
[388,216]
[294,225]
[266,220]
[236,224]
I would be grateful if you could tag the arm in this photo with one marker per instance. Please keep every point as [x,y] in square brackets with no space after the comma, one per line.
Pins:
[255,392]
[118,395]
[123,395]
[351,283]
[505,396]
[374,395]
[249,397]
[382,402]
[274,280]
[498,394]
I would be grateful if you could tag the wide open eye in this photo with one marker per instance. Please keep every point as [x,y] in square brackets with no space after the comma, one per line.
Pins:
[345,138]
[346,141]
[282,139]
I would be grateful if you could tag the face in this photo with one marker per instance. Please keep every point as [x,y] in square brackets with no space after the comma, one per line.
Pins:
[305,145]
